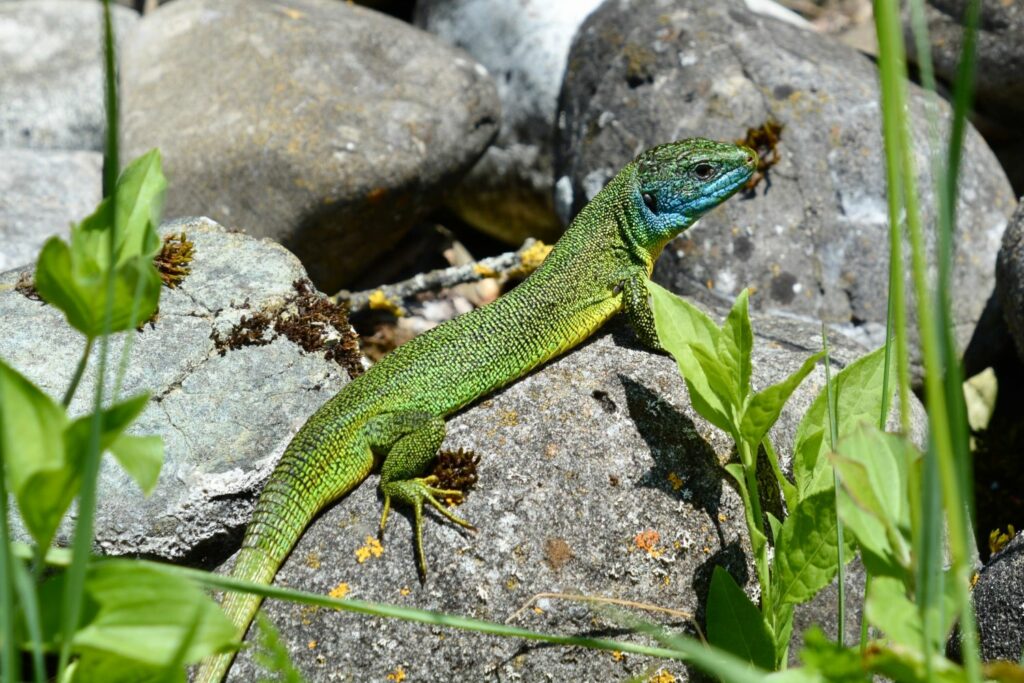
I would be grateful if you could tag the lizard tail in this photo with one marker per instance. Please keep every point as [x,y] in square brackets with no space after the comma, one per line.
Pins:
[282,513]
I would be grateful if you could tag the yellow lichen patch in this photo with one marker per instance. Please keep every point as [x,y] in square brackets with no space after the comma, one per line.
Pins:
[372,548]
[722,517]
[661,676]
[306,613]
[538,610]
[313,560]
[534,255]
[647,541]
[398,675]
[618,656]
[379,301]
[339,591]
[311,645]
[484,270]
[508,418]
[675,481]
[997,538]
[512,583]
[405,590]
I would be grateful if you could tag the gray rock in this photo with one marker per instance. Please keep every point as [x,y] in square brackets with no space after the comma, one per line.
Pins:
[508,194]
[327,127]
[579,460]
[44,192]
[999,79]
[813,241]
[51,73]
[1010,279]
[999,604]
[224,418]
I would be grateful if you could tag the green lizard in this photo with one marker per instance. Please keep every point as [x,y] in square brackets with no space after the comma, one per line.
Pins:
[392,417]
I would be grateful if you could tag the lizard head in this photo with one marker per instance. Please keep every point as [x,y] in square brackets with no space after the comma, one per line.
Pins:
[678,182]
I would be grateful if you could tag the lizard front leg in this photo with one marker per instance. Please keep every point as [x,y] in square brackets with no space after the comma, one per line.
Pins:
[408,442]
[637,307]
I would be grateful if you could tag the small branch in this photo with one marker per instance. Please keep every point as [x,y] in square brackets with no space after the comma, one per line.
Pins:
[509,263]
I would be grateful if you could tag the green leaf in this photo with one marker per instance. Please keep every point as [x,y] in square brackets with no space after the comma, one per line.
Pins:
[889,609]
[735,345]
[140,201]
[806,556]
[143,614]
[32,452]
[858,392]
[735,625]
[874,469]
[75,284]
[680,323]
[766,406]
[837,664]
[141,457]
[719,390]
[272,655]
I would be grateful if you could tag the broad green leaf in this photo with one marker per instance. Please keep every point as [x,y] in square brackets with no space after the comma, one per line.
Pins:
[720,391]
[907,665]
[680,323]
[735,345]
[140,201]
[141,457]
[765,406]
[76,285]
[806,556]
[734,623]
[104,667]
[874,502]
[889,609]
[795,676]
[858,395]
[837,664]
[143,614]
[32,450]
[140,196]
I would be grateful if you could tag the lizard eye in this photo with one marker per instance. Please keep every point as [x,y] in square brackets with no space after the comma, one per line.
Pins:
[650,201]
[704,171]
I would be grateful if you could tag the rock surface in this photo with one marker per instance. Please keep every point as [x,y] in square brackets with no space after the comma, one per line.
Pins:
[508,194]
[43,193]
[999,604]
[224,418]
[999,79]
[1010,279]
[597,477]
[813,238]
[325,126]
[51,73]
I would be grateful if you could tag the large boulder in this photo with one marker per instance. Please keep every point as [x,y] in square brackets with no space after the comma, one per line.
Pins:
[325,126]
[1010,279]
[51,79]
[225,402]
[44,193]
[812,237]
[597,478]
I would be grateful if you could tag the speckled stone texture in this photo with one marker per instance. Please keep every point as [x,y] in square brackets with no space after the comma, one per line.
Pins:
[812,241]
[224,418]
[1010,279]
[325,126]
[999,604]
[44,191]
[583,462]
[51,73]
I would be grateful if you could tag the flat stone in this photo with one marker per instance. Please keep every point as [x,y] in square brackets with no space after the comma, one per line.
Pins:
[325,126]
[224,419]
[44,193]
[597,478]
[51,73]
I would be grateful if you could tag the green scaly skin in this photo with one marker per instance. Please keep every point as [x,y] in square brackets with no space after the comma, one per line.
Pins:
[392,417]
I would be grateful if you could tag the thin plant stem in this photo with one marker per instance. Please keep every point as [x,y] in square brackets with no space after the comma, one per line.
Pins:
[833,437]
[79,371]
[74,586]
[894,99]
